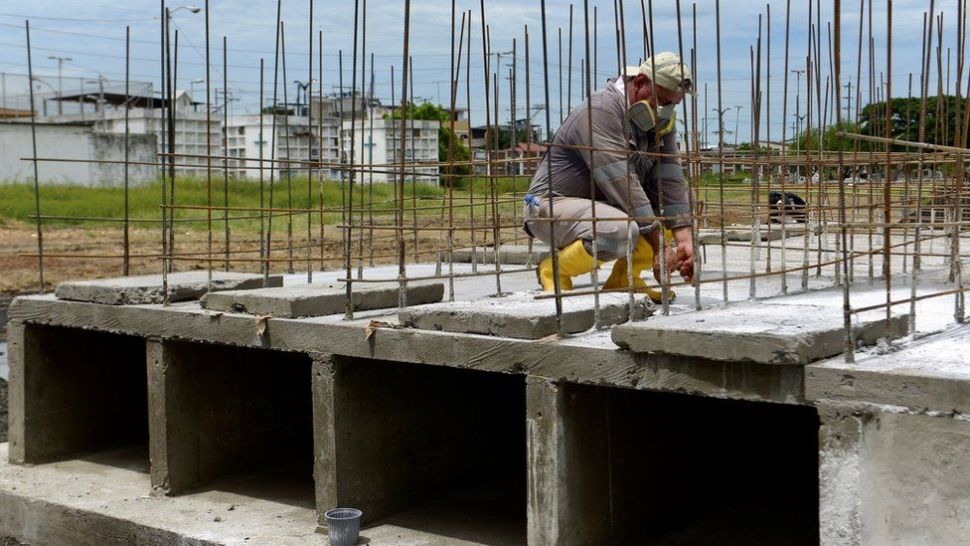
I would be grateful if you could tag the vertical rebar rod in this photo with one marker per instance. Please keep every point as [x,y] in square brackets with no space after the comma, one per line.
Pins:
[560,77]
[166,125]
[33,143]
[554,252]
[770,163]
[275,144]
[887,182]
[414,161]
[308,94]
[287,136]
[848,343]
[784,154]
[171,157]
[756,168]
[127,249]
[569,65]
[720,153]
[486,51]
[528,117]
[592,186]
[401,272]
[264,265]
[162,128]
[453,74]
[471,183]
[225,144]
[370,161]
[696,175]
[348,224]
[208,150]
[363,145]
[320,138]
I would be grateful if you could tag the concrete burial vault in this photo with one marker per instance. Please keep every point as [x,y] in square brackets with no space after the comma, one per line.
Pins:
[231,423]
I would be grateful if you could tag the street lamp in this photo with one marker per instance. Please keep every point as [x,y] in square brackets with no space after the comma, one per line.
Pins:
[737,117]
[60,81]
[100,104]
[38,80]
[192,87]
[193,9]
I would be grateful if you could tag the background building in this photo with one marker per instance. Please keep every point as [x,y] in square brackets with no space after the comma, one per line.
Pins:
[379,143]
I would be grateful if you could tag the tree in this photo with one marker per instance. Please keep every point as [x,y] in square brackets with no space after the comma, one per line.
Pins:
[434,112]
[831,142]
[505,137]
[941,120]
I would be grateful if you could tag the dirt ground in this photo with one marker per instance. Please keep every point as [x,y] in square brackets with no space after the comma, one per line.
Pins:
[72,253]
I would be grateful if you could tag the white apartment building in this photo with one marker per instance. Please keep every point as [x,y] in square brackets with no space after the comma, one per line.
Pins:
[295,139]
[378,144]
[195,135]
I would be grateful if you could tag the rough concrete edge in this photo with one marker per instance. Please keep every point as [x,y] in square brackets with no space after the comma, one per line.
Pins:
[493,323]
[42,522]
[77,291]
[771,348]
[910,390]
[576,364]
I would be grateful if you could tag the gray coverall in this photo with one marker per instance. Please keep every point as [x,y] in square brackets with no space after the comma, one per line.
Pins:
[617,170]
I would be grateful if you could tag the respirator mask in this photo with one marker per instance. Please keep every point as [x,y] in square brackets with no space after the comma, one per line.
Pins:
[643,116]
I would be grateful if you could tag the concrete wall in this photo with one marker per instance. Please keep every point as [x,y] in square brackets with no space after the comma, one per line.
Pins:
[63,141]
[893,478]
[73,391]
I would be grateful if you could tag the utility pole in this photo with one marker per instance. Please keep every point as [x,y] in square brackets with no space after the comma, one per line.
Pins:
[720,125]
[798,117]
[60,81]
[848,100]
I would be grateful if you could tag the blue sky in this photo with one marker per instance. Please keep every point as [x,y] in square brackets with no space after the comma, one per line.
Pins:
[92,34]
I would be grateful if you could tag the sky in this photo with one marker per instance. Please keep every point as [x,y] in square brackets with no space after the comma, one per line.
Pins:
[92,35]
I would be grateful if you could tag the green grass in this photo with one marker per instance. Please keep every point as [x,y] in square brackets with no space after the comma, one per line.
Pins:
[75,205]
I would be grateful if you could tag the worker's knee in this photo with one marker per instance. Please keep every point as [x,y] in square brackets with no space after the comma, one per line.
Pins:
[612,248]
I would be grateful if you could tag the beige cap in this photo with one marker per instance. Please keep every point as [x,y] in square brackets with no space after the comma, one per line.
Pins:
[668,71]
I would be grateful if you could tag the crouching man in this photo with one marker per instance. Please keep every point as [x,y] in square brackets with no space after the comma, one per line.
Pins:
[631,115]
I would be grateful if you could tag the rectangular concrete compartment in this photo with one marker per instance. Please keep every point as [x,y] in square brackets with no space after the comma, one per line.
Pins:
[231,419]
[436,449]
[75,392]
[619,466]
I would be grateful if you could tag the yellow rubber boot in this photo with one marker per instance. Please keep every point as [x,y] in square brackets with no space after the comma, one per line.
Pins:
[573,260]
[642,259]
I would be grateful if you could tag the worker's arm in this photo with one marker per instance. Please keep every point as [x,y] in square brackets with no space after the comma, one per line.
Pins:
[608,161]
[675,206]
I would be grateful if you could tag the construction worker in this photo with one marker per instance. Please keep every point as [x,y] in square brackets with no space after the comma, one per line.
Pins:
[631,115]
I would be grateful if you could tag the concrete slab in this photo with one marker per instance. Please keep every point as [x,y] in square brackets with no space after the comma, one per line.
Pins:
[102,500]
[761,332]
[933,374]
[521,315]
[507,254]
[186,285]
[746,233]
[588,358]
[319,299]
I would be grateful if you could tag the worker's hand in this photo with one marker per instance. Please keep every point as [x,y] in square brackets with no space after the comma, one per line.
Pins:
[670,260]
[684,250]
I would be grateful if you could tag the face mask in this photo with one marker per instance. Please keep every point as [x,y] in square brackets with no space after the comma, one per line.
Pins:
[642,116]
[664,113]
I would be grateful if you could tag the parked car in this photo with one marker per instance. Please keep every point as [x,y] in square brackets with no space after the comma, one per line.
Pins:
[788,207]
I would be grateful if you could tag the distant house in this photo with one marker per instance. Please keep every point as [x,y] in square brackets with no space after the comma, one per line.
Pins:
[99,156]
